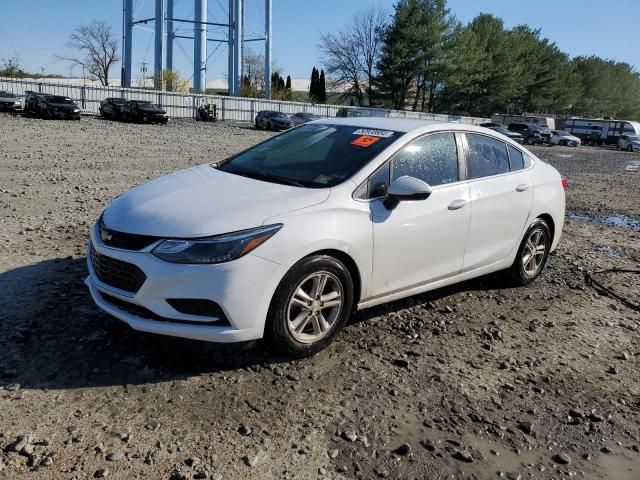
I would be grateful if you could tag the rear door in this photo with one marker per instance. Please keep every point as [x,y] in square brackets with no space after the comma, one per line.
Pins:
[420,241]
[501,191]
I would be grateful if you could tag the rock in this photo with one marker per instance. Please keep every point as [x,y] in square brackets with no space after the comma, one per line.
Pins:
[401,362]
[192,461]
[245,430]
[1,465]
[594,417]
[427,444]
[607,450]
[576,413]
[21,442]
[526,427]
[153,425]
[463,456]
[612,370]
[176,475]
[216,476]
[115,456]
[333,453]
[101,473]
[250,460]
[513,476]
[12,387]
[381,472]
[404,449]
[349,436]
[562,458]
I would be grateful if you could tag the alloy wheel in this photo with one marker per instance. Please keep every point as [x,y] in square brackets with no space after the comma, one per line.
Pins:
[315,306]
[534,252]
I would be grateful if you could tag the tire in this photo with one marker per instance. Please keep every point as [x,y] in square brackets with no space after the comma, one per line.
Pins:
[630,148]
[317,325]
[257,125]
[522,272]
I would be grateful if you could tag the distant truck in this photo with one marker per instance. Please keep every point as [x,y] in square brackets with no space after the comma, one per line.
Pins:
[600,131]
[506,119]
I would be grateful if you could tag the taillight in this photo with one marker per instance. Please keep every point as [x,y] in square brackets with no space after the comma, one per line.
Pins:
[564,181]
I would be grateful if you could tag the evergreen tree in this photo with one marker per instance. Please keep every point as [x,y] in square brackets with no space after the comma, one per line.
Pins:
[288,84]
[322,88]
[313,87]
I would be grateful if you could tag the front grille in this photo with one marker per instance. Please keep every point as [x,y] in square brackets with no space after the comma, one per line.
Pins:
[117,273]
[125,241]
[147,314]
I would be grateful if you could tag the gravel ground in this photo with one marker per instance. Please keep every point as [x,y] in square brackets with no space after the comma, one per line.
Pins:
[473,381]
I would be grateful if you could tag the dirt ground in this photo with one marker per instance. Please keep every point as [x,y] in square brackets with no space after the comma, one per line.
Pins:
[474,381]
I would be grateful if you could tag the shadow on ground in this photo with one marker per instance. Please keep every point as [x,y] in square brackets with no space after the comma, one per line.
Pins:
[52,335]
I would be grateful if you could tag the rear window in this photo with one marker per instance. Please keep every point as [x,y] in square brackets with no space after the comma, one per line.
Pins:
[516,159]
[312,156]
[486,156]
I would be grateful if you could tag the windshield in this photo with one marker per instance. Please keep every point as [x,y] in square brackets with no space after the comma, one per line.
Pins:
[148,105]
[7,95]
[57,99]
[119,101]
[312,156]
[562,133]
[279,115]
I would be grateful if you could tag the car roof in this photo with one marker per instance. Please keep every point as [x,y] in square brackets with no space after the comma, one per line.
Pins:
[385,123]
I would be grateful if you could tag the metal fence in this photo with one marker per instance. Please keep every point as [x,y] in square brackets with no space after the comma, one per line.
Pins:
[88,97]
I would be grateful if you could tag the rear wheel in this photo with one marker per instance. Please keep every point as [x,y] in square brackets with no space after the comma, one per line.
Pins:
[310,306]
[630,148]
[532,254]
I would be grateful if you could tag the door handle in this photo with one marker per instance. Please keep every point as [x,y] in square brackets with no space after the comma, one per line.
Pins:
[457,204]
[523,187]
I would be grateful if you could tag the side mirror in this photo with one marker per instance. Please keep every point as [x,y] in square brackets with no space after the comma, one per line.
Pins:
[406,188]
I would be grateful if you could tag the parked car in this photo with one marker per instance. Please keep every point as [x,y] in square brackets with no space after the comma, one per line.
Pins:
[531,132]
[143,111]
[560,137]
[629,142]
[304,117]
[51,106]
[10,102]
[286,239]
[112,107]
[508,133]
[272,120]
[492,125]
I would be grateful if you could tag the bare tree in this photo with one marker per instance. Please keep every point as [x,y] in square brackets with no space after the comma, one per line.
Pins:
[99,47]
[351,54]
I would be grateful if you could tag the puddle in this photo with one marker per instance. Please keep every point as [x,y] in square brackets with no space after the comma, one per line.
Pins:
[608,251]
[613,220]
[565,155]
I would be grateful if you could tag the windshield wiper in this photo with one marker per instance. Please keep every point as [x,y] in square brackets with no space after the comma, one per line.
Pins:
[266,177]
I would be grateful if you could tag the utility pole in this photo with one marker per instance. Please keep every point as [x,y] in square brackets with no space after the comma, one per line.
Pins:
[143,71]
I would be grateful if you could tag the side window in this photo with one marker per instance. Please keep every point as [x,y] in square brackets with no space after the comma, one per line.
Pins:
[487,156]
[381,176]
[516,160]
[432,158]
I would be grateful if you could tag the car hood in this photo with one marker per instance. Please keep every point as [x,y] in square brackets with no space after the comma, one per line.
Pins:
[202,201]
[63,106]
[570,137]
[151,110]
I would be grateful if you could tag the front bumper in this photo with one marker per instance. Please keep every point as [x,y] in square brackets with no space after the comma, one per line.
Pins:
[242,288]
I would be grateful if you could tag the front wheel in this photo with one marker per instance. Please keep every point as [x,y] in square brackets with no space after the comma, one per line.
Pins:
[311,305]
[630,148]
[532,254]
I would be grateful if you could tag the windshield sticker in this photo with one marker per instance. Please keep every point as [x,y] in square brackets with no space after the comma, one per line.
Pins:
[365,141]
[323,179]
[373,133]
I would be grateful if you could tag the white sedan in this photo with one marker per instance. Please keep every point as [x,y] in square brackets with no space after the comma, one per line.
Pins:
[560,137]
[286,239]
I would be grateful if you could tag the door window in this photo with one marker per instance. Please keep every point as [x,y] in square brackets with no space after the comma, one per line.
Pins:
[486,156]
[516,159]
[432,158]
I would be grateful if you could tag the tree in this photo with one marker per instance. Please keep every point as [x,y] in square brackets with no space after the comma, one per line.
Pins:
[11,67]
[351,55]
[97,48]
[171,81]
[401,57]
[322,88]
[313,86]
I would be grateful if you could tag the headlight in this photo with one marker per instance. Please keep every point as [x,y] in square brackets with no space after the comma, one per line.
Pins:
[218,249]
[76,110]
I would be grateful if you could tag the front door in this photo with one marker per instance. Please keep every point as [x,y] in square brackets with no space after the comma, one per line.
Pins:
[421,241]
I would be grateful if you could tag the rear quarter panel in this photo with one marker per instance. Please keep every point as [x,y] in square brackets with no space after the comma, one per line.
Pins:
[549,197]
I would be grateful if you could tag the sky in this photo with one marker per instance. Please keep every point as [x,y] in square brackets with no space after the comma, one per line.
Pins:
[37,30]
